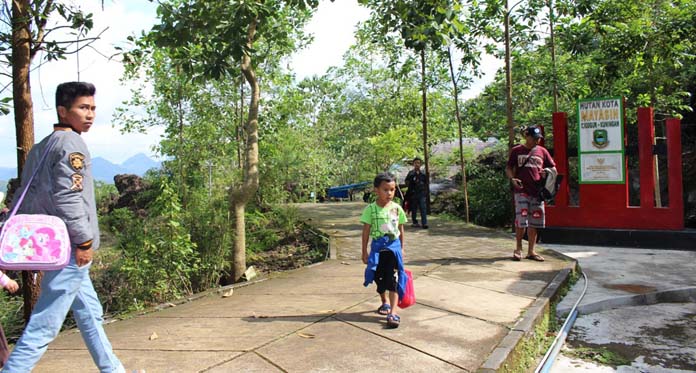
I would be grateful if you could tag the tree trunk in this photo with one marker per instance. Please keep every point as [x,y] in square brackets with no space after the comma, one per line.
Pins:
[21,86]
[24,120]
[426,158]
[240,127]
[461,136]
[239,253]
[31,289]
[508,98]
[180,145]
[241,196]
[508,79]
[553,58]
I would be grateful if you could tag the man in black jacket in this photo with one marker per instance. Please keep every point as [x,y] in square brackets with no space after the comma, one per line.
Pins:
[417,183]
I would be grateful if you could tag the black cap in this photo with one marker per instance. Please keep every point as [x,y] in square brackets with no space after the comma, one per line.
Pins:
[533,131]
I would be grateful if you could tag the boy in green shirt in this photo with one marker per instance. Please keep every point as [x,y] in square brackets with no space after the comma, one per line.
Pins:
[383,221]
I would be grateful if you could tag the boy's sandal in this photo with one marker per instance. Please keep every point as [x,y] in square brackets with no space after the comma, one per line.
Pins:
[536,257]
[393,321]
[384,309]
[517,255]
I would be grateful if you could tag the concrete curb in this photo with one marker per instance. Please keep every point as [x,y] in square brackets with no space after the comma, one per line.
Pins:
[681,295]
[509,351]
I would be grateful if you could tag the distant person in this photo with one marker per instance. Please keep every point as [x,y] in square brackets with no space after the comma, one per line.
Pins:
[525,168]
[11,286]
[417,184]
[64,187]
[383,222]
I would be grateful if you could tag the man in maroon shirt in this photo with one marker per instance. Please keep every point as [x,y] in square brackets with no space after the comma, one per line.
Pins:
[526,167]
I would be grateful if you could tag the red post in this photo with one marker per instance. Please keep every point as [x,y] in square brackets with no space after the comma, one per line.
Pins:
[674,169]
[646,134]
[560,155]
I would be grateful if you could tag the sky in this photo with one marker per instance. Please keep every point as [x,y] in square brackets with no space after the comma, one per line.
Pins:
[332,25]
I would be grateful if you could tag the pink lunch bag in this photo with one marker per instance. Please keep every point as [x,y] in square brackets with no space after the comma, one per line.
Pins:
[34,242]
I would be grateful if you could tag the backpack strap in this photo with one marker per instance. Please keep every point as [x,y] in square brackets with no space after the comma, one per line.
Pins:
[529,155]
[49,146]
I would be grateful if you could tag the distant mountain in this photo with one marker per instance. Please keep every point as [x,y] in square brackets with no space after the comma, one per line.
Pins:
[139,164]
[102,169]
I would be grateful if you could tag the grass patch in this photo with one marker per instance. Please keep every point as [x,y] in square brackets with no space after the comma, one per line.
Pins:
[11,315]
[532,347]
[601,355]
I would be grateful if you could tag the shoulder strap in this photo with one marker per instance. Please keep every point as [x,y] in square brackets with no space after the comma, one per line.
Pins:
[529,155]
[50,144]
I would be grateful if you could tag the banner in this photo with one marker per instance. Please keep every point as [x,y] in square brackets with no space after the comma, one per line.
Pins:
[601,141]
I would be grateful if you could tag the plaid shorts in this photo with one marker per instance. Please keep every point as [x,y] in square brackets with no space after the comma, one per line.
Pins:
[529,211]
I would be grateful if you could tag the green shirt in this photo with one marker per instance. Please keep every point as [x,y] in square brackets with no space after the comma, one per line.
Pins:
[383,220]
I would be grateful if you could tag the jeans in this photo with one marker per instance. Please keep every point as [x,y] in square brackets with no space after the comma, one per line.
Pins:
[418,202]
[67,289]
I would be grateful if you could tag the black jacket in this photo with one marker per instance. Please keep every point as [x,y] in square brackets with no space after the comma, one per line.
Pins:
[416,183]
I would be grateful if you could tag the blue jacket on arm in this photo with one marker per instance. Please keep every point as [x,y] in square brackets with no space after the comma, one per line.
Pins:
[377,245]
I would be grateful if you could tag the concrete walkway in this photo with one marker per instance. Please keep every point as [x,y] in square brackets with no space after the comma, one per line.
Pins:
[474,305]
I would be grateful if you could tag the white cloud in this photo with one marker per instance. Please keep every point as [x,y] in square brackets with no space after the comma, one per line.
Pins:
[333,26]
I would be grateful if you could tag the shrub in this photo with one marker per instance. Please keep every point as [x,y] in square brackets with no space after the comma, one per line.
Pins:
[11,315]
[490,198]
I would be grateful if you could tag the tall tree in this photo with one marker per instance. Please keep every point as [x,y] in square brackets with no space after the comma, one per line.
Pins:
[422,25]
[213,40]
[513,26]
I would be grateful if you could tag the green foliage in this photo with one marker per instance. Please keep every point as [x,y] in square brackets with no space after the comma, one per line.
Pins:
[214,40]
[600,355]
[362,117]
[643,51]
[490,198]
[11,317]
[103,193]
[604,48]
[158,257]
[171,252]
[44,18]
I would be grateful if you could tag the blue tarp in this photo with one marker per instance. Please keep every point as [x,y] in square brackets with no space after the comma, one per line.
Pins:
[343,191]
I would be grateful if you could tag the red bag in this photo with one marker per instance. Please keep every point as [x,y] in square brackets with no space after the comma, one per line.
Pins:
[409,297]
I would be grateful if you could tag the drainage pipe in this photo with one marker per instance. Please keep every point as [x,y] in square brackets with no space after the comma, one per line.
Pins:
[550,357]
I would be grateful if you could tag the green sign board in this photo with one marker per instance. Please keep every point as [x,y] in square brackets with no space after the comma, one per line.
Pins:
[601,141]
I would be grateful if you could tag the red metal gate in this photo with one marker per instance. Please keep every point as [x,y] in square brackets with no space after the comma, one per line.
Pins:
[607,205]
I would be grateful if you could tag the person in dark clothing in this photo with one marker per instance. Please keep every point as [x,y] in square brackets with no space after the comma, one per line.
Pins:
[417,183]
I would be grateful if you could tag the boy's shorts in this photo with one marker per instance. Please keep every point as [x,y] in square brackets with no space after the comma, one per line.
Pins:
[385,276]
[529,211]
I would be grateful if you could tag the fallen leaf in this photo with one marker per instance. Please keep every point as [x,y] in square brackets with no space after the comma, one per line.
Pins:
[306,335]
[228,293]
[153,336]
